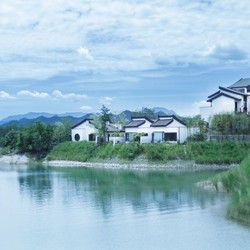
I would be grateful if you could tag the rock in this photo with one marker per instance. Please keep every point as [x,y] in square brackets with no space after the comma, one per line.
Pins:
[14,159]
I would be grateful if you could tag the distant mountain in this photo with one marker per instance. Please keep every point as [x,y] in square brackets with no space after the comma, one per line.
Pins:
[163,111]
[34,115]
[74,118]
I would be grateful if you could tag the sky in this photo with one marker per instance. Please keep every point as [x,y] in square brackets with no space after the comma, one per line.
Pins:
[75,56]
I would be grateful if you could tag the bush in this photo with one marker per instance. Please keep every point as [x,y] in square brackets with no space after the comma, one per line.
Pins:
[155,151]
[197,137]
[130,151]
[76,151]
[237,182]
[231,124]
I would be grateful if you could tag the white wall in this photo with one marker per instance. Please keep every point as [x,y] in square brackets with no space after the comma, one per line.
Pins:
[84,130]
[181,132]
[206,113]
[174,127]
[117,139]
[144,128]
[223,104]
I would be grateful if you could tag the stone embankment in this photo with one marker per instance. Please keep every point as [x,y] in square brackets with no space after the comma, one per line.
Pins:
[14,159]
[171,165]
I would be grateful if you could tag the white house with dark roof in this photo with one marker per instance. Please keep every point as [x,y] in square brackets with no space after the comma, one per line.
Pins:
[86,131]
[169,129]
[164,129]
[139,125]
[235,98]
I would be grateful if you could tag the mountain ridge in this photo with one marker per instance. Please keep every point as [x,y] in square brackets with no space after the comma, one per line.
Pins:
[74,117]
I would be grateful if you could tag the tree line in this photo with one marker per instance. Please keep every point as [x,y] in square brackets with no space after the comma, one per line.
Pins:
[36,139]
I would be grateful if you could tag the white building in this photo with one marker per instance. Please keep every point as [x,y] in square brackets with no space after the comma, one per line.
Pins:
[235,98]
[86,131]
[164,129]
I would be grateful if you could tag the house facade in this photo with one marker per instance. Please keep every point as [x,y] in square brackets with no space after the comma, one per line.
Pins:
[232,99]
[164,129]
[86,131]
[139,125]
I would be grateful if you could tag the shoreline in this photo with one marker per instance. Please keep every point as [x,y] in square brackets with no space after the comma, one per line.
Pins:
[138,164]
[177,165]
[14,159]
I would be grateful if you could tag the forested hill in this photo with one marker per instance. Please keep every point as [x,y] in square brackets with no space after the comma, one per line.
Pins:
[74,118]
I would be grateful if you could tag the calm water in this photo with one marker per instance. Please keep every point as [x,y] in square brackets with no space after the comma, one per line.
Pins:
[113,209]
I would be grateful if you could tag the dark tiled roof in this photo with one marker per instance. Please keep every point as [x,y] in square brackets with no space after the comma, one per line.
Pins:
[135,123]
[141,118]
[214,94]
[171,117]
[222,94]
[162,123]
[111,128]
[81,122]
[231,91]
[243,82]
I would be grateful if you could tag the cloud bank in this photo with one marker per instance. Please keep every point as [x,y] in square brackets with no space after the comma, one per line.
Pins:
[124,36]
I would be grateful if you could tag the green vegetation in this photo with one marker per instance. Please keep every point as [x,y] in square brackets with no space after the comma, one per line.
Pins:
[231,124]
[201,152]
[36,139]
[237,182]
[100,122]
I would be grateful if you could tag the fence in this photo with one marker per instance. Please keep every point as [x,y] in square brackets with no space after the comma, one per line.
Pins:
[229,137]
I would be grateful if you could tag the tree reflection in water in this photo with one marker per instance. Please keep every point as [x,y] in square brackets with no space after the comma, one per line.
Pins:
[142,189]
[105,188]
[37,182]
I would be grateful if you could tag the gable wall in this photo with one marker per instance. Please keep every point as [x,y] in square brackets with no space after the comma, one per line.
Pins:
[83,130]
[223,104]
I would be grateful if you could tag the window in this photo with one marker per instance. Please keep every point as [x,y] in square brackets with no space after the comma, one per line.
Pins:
[157,137]
[129,136]
[77,137]
[92,137]
[170,136]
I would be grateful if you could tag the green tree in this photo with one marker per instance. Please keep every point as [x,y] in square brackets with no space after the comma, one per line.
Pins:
[101,121]
[36,139]
[10,139]
[62,132]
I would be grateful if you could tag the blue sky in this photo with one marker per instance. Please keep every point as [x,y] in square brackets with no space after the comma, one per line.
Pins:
[70,56]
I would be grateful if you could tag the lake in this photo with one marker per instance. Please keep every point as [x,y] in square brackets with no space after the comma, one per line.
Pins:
[84,208]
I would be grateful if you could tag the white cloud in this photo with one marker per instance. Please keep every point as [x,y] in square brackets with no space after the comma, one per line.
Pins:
[131,35]
[107,100]
[59,95]
[226,52]
[5,95]
[197,105]
[85,53]
[86,108]
[33,94]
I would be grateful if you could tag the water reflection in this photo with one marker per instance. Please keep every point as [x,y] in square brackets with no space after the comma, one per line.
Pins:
[37,182]
[141,189]
[113,209]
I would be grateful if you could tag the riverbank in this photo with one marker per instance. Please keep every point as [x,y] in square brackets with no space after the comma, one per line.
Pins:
[207,153]
[141,164]
[237,182]
[14,159]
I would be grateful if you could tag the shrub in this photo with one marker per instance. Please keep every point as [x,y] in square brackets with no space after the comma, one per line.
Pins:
[77,151]
[129,151]
[155,151]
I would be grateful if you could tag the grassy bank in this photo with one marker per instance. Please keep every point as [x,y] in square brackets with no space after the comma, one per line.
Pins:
[200,152]
[237,182]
